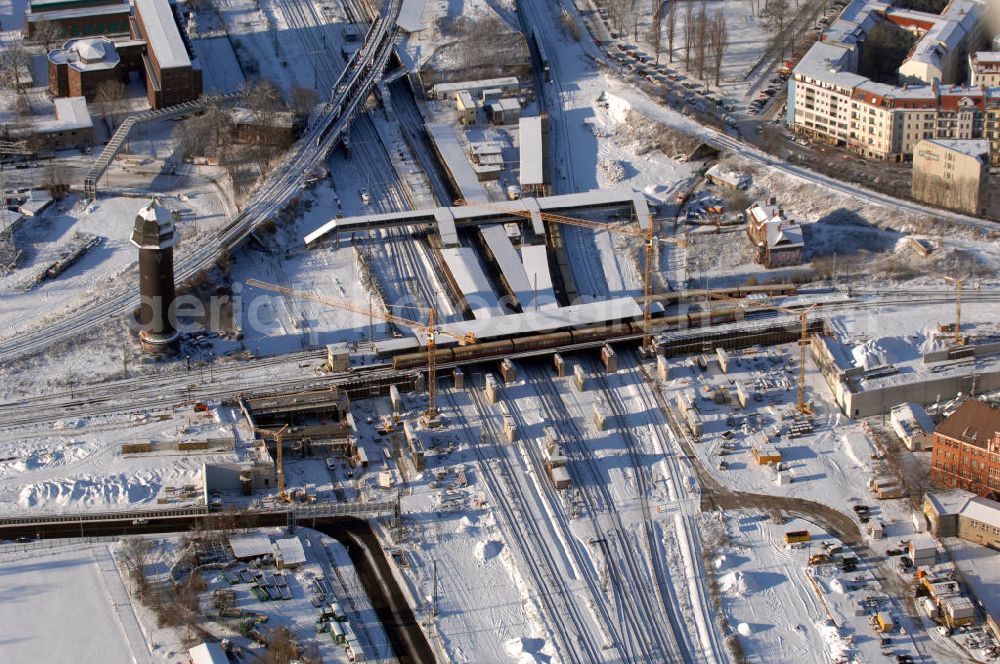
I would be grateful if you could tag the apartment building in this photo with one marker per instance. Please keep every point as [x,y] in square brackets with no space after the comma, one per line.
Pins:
[984,69]
[831,102]
[952,174]
[966,452]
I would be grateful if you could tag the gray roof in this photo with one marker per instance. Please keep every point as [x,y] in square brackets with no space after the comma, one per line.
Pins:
[410,14]
[447,143]
[546,320]
[162,34]
[531,151]
[468,274]
[507,260]
[536,266]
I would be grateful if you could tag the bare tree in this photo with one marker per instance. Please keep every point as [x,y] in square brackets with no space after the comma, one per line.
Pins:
[701,40]
[656,28]
[109,100]
[56,179]
[135,554]
[775,16]
[303,100]
[46,32]
[718,41]
[671,30]
[688,33]
[14,63]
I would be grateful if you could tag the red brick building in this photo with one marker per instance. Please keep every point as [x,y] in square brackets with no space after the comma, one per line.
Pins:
[81,65]
[171,77]
[966,452]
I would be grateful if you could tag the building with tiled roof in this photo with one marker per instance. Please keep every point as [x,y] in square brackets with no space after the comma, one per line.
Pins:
[966,452]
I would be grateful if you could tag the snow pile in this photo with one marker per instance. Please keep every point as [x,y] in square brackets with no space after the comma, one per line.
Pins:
[618,108]
[837,586]
[612,169]
[744,629]
[465,525]
[486,550]
[719,562]
[738,583]
[884,350]
[837,645]
[516,649]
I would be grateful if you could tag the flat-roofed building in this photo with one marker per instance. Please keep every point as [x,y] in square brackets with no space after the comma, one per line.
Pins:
[109,17]
[171,77]
[531,136]
[72,126]
[952,174]
[959,513]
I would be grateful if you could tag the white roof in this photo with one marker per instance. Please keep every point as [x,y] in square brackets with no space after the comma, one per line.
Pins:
[471,281]
[208,653]
[536,266]
[410,14]
[290,551]
[986,56]
[545,320]
[982,510]
[71,113]
[254,545]
[949,502]
[973,147]
[162,34]
[531,151]
[444,138]
[507,260]
[472,86]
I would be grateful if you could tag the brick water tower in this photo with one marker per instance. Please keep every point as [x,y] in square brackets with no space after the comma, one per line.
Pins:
[154,235]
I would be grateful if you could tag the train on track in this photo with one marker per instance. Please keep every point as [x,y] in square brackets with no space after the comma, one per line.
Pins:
[526,343]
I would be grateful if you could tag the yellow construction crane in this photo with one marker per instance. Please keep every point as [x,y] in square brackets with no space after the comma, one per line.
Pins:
[279,439]
[650,240]
[803,314]
[959,286]
[430,329]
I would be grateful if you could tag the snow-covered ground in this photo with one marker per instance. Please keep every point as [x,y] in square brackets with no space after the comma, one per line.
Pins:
[105,266]
[59,607]
[781,608]
[77,464]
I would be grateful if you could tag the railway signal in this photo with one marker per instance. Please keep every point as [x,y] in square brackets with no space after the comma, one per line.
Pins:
[431,329]
[650,242]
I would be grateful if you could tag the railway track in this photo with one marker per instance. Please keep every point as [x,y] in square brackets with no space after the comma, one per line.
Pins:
[630,580]
[677,647]
[570,628]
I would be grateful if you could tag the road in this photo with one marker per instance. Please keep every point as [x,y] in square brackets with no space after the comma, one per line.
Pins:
[327,126]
